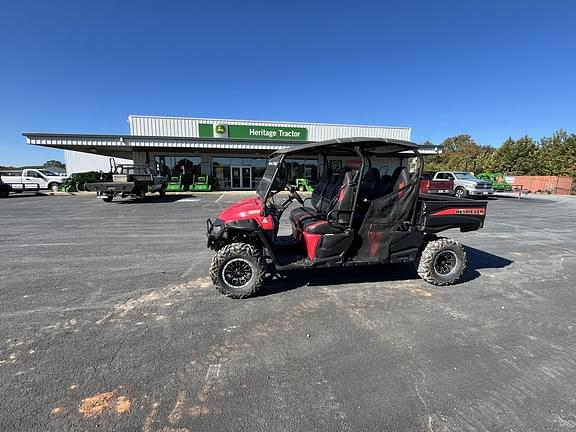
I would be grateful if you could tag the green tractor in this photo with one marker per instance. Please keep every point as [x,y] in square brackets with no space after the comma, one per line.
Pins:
[498,180]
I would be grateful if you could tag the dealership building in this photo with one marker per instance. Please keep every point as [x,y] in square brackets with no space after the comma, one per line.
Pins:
[232,152]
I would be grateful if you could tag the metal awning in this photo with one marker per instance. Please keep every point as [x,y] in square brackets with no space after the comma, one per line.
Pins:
[101,143]
[131,142]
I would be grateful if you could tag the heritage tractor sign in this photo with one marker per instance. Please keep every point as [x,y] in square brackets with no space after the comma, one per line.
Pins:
[253,132]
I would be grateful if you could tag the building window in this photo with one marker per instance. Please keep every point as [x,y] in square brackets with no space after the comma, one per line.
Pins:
[175,166]
[302,168]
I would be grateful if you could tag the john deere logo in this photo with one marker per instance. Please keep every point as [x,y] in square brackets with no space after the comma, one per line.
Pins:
[220,129]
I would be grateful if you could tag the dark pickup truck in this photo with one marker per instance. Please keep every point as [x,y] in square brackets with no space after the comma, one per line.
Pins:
[129,181]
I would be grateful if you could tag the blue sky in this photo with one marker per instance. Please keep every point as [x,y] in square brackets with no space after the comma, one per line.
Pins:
[491,69]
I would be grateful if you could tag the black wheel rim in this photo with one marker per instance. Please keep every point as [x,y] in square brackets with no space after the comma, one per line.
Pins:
[237,273]
[445,262]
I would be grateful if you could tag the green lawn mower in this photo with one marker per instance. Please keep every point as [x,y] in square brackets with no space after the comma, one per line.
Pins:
[179,183]
[303,185]
[201,184]
[185,183]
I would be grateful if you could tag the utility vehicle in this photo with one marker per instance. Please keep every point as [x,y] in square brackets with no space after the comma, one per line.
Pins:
[354,217]
[128,181]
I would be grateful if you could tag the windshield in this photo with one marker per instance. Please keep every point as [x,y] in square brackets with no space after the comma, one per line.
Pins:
[465,176]
[48,173]
[268,177]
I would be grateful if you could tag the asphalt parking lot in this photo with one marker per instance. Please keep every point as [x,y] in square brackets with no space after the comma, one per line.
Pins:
[109,322]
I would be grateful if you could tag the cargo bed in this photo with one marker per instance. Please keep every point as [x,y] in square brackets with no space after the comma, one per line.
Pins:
[439,213]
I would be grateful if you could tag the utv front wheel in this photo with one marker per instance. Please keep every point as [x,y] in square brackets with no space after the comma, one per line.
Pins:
[237,270]
[442,262]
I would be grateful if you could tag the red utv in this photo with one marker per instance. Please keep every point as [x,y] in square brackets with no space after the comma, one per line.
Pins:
[354,217]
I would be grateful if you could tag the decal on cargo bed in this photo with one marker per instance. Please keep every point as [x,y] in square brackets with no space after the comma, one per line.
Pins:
[461,211]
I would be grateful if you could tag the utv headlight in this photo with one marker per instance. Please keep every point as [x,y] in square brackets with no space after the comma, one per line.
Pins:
[217,227]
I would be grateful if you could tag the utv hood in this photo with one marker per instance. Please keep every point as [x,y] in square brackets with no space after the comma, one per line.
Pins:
[247,209]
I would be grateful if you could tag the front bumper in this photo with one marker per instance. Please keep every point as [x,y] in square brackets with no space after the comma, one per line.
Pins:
[479,192]
[214,231]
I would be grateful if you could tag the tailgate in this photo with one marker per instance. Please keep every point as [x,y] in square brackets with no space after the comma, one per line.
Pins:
[110,187]
[441,213]
[441,185]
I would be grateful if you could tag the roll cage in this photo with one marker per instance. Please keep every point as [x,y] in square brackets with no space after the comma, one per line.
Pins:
[366,149]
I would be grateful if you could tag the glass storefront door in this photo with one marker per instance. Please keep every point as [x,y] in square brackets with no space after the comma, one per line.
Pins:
[241,177]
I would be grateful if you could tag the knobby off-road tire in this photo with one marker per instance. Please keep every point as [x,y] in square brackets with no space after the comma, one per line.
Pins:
[237,270]
[442,261]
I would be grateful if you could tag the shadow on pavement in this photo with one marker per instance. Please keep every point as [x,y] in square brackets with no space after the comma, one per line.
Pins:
[338,276]
[27,195]
[155,199]
[477,260]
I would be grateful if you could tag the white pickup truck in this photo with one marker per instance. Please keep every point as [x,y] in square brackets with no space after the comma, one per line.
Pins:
[466,184]
[29,179]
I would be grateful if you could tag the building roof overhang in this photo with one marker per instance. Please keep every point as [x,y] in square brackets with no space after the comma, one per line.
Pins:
[100,143]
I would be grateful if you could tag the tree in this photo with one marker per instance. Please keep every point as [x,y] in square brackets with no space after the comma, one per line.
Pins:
[55,164]
[517,157]
[553,156]
[461,152]
[557,155]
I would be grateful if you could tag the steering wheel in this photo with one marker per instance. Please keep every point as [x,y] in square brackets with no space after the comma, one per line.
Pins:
[295,195]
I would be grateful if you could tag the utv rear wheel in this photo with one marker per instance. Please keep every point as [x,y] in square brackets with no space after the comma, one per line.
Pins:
[237,270]
[442,261]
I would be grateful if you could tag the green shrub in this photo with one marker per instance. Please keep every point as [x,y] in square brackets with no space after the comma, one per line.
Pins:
[76,181]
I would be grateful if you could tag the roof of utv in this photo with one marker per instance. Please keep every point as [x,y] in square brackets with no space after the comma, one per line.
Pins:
[346,146]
